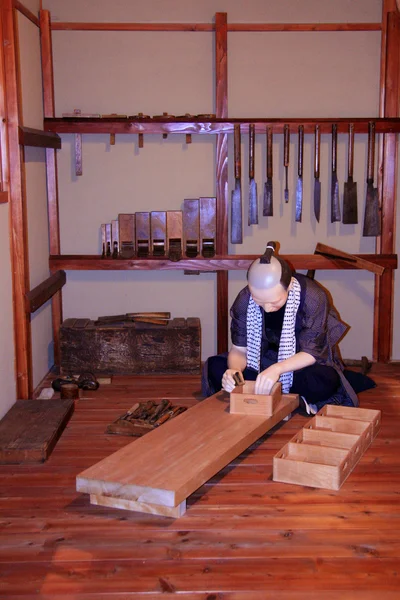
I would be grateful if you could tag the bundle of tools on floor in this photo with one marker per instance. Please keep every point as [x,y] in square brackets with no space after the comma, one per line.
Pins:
[143,417]
[372,224]
[173,233]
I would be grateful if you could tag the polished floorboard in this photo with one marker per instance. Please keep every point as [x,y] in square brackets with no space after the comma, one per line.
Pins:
[243,537]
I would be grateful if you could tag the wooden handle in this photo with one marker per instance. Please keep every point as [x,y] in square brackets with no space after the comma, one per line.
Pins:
[350,152]
[371,152]
[286,144]
[251,150]
[269,152]
[301,149]
[236,141]
[334,147]
[317,146]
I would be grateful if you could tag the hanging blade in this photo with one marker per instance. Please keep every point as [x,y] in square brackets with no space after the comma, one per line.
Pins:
[372,222]
[335,208]
[268,209]
[299,187]
[317,183]
[350,215]
[236,200]
[253,205]
[286,144]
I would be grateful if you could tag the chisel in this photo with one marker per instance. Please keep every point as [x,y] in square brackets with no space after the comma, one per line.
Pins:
[350,216]
[372,224]
[299,187]
[253,205]
[335,208]
[236,199]
[286,144]
[317,183]
[268,209]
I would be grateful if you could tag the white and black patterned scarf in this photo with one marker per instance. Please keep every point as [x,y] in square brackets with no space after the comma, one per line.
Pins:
[287,343]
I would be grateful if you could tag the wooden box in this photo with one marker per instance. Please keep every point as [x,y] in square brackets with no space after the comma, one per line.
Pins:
[131,348]
[327,449]
[245,402]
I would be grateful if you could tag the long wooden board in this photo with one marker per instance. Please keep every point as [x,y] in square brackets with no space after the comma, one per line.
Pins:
[168,464]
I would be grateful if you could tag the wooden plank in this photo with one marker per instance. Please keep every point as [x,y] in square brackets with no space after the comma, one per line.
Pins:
[19,245]
[38,138]
[30,429]
[360,263]
[144,507]
[26,12]
[4,174]
[218,263]
[51,170]
[44,291]
[168,464]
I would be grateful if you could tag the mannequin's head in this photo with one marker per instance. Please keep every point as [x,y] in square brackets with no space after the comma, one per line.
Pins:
[269,280]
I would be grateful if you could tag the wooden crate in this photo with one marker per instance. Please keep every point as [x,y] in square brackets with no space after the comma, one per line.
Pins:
[131,348]
[245,402]
[326,450]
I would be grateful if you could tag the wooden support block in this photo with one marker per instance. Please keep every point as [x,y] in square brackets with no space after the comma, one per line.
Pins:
[168,464]
[325,452]
[191,228]
[245,402]
[31,428]
[144,507]
[127,236]
[208,226]
[142,225]
[158,229]
[174,234]
[44,291]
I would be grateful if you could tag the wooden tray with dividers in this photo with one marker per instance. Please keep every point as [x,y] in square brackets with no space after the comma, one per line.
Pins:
[326,450]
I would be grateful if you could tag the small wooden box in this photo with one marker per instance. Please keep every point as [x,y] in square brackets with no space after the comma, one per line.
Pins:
[244,401]
[326,450]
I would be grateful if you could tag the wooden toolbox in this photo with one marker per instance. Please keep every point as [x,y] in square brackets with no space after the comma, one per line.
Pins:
[326,450]
[245,402]
[131,348]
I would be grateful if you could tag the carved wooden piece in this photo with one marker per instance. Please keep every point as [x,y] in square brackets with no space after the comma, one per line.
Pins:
[144,507]
[38,138]
[158,229]
[191,227]
[324,453]
[208,226]
[174,234]
[127,235]
[131,347]
[142,227]
[44,291]
[245,401]
[168,464]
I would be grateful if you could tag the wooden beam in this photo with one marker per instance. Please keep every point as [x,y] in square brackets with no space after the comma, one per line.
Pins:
[205,27]
[221,103]
[44,291]
[26,12]
[78,262]
[51,170]
[214,126]
[4,176]
[19,245]
[360,263]
[41,139]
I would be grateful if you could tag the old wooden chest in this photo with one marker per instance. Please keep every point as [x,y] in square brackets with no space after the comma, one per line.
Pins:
[131,348]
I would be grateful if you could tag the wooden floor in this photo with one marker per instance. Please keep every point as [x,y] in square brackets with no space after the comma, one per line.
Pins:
[243,537]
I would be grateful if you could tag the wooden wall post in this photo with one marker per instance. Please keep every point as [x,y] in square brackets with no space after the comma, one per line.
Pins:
[389,107]
[18,217]
[221,110]
[51,170]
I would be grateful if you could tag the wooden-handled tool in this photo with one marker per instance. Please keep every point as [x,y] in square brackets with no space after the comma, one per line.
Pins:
[151,315]
[286,146]
[236,199]
[268,209]
[372,223]
[299,187]
[350,214]
[335,208]
[317,183]
[253,204]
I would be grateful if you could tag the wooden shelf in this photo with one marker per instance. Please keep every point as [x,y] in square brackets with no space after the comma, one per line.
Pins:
[39,138]
[211,126]
[80,262]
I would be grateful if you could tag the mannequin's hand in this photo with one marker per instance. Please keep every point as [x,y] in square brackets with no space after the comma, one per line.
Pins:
[266,380]
[228,382]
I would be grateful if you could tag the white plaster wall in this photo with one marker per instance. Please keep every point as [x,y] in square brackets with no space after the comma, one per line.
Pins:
[35,170]
[270,74]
